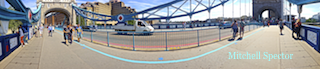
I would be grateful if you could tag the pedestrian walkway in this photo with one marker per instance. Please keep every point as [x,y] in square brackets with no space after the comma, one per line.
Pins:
[86,55]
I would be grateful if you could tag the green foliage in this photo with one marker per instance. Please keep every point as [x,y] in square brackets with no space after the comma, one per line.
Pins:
[14,24]
[131,22]
[311,20]
[82,21]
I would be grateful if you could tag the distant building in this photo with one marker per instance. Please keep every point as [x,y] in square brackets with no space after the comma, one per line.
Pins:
[317,17]
[212,20]
[113,7]
[303,19]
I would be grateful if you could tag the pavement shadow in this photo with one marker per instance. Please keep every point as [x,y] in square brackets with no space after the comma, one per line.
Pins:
[240,38]
[64,43]
[230,39]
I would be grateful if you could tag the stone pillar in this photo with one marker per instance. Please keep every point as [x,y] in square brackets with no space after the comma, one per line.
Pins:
[45,21]
[52,19]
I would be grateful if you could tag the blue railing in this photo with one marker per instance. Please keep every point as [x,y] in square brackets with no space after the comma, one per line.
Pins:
[8,44]
[162,40]
[310,34]
[173,26]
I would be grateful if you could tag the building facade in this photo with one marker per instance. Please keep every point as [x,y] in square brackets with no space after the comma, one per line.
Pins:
[114,7]
[317,17]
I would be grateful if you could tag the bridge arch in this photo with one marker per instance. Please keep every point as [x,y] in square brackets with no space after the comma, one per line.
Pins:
[272,12]
[275,8]
[65,15]
[60,6]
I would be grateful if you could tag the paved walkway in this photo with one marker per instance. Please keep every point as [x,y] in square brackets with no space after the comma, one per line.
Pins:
[52,53]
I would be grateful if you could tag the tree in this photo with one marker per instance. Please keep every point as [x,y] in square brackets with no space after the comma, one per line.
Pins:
[14,24]
[82,21]
[311,20]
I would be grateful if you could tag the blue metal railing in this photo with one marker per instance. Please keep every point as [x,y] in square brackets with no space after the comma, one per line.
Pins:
[173,26]
[134,40]
[310,34]
[8,44]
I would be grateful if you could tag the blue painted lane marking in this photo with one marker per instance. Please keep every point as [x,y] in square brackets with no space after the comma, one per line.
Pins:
[160,58]
[162,62]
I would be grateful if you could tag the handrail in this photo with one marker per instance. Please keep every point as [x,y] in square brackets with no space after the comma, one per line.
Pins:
[174,31]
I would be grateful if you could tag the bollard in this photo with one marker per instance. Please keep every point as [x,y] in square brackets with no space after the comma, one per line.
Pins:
[133,43]
[166,42]
[108,39]
[198,37]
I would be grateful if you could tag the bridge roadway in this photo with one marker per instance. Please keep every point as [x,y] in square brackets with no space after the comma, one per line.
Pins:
[51,53]
[158,39]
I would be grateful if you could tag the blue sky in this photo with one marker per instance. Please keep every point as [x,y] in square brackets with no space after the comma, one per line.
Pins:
[139,5]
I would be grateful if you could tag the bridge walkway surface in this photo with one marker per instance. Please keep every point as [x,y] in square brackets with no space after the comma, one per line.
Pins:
[52,53]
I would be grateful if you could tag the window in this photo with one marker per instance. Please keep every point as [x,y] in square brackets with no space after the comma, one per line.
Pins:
[48,5]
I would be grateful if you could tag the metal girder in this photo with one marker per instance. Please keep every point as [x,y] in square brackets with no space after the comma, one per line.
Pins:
[85,13]
[179,8]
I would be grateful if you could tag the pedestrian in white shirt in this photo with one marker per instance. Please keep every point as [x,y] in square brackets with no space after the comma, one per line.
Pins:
[21,35]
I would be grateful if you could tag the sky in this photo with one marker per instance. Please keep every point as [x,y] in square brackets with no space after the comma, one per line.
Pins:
[308,10]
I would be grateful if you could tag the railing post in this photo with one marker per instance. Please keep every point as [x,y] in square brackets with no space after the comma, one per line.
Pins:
[108,39]
[166,42]
[133,42]
[219,33]
[249,27]
[198,36]
[91,35]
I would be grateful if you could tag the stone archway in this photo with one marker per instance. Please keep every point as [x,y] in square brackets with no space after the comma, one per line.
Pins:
[62,6]
[259,6]
[53,19]
[272,12]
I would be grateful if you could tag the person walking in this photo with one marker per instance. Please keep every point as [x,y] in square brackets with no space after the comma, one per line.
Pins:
[184,25]
[36,30]
[71,32]
[41,30]
[53,29]
[269,22]
[234,26]
[21,36]
[50,30]
[79,32]
[293,27]
[281,23]
[242,25]
[298,27]
[66,34]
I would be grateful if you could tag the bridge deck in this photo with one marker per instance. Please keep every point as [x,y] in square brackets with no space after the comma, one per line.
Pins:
[51,53]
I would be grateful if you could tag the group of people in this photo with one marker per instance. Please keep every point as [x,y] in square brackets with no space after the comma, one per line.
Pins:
[296,26]
[22,37]
[235,29]
[69,30]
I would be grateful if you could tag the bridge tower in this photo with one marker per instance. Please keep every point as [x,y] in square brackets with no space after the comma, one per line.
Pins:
[61,6]
[275,8]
